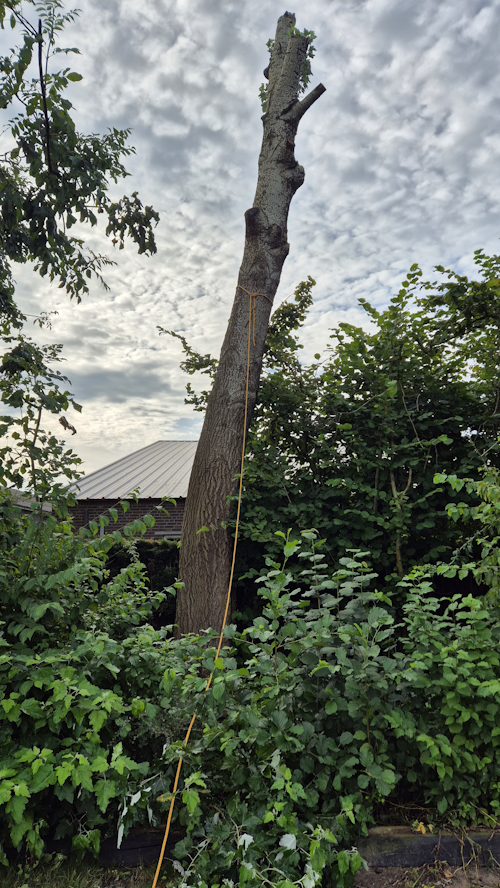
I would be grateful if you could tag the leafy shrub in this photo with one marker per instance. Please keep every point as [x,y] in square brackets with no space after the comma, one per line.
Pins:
[451,732]
[335,702]
[79,671]
[325,711]
[350,443]
[161,562]
[485,542]
[80,663]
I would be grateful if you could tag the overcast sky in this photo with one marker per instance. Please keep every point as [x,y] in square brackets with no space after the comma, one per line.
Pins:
[402,162]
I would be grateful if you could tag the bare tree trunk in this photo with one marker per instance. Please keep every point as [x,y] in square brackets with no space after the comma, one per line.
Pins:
[206,556]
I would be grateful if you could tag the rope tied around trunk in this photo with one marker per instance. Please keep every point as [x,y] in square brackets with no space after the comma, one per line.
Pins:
[251,320]
[251,326]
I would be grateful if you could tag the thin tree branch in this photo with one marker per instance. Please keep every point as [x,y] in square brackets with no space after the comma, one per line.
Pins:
[44,99]
[49,41]
[394,490]
[23,21]
[497,402]
[409,417]
[375,497]
[32,462]
[397,503]
[410,472]
[399,560]
[428,351]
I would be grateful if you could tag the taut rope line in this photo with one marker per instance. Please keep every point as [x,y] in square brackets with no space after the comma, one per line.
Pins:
[251,326]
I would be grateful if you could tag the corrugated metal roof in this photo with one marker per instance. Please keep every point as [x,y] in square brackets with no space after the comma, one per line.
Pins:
[160,469]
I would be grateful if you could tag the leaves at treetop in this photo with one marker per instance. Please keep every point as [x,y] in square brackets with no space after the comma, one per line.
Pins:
[54,177]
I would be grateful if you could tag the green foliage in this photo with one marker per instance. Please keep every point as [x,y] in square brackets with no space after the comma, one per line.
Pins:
[53,177]
[29,456]
[351,443]
[339,701]
[160,558]
[306,72]
[455,672]
[80,664]
[338,698]
[80,668]
[324,711]
[79,661]
[486,568]
[194,362]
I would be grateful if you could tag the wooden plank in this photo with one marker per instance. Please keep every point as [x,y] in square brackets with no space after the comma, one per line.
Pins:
[387,846]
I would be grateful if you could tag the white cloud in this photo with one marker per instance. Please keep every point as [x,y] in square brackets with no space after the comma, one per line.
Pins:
[401,157]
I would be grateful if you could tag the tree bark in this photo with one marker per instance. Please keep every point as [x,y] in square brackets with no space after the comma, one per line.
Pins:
[205,556]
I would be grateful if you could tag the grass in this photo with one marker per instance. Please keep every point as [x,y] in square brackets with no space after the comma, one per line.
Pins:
[63,874]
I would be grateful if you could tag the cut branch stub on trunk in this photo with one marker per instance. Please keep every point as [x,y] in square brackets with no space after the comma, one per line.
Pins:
[206,554]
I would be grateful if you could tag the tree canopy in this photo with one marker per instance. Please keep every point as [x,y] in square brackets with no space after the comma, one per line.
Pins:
[54,181]
[52,178]
[351,444]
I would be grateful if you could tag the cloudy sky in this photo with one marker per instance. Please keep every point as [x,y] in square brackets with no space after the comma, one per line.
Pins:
[402,161]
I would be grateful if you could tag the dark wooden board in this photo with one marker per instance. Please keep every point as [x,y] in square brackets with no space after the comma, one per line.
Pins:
[398,846]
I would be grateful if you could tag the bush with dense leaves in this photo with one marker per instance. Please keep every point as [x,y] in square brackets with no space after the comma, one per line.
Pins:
[329,707]
[350,443]
[326,711]
[80,667]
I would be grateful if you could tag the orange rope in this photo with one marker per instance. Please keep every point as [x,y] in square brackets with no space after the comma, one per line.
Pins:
[251,317]
[252,314]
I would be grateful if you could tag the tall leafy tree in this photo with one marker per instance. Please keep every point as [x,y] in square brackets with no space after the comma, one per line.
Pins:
[51,176]
[351,444]
[52,179]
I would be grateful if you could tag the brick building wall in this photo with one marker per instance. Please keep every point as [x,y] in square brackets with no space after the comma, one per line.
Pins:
[168,524]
